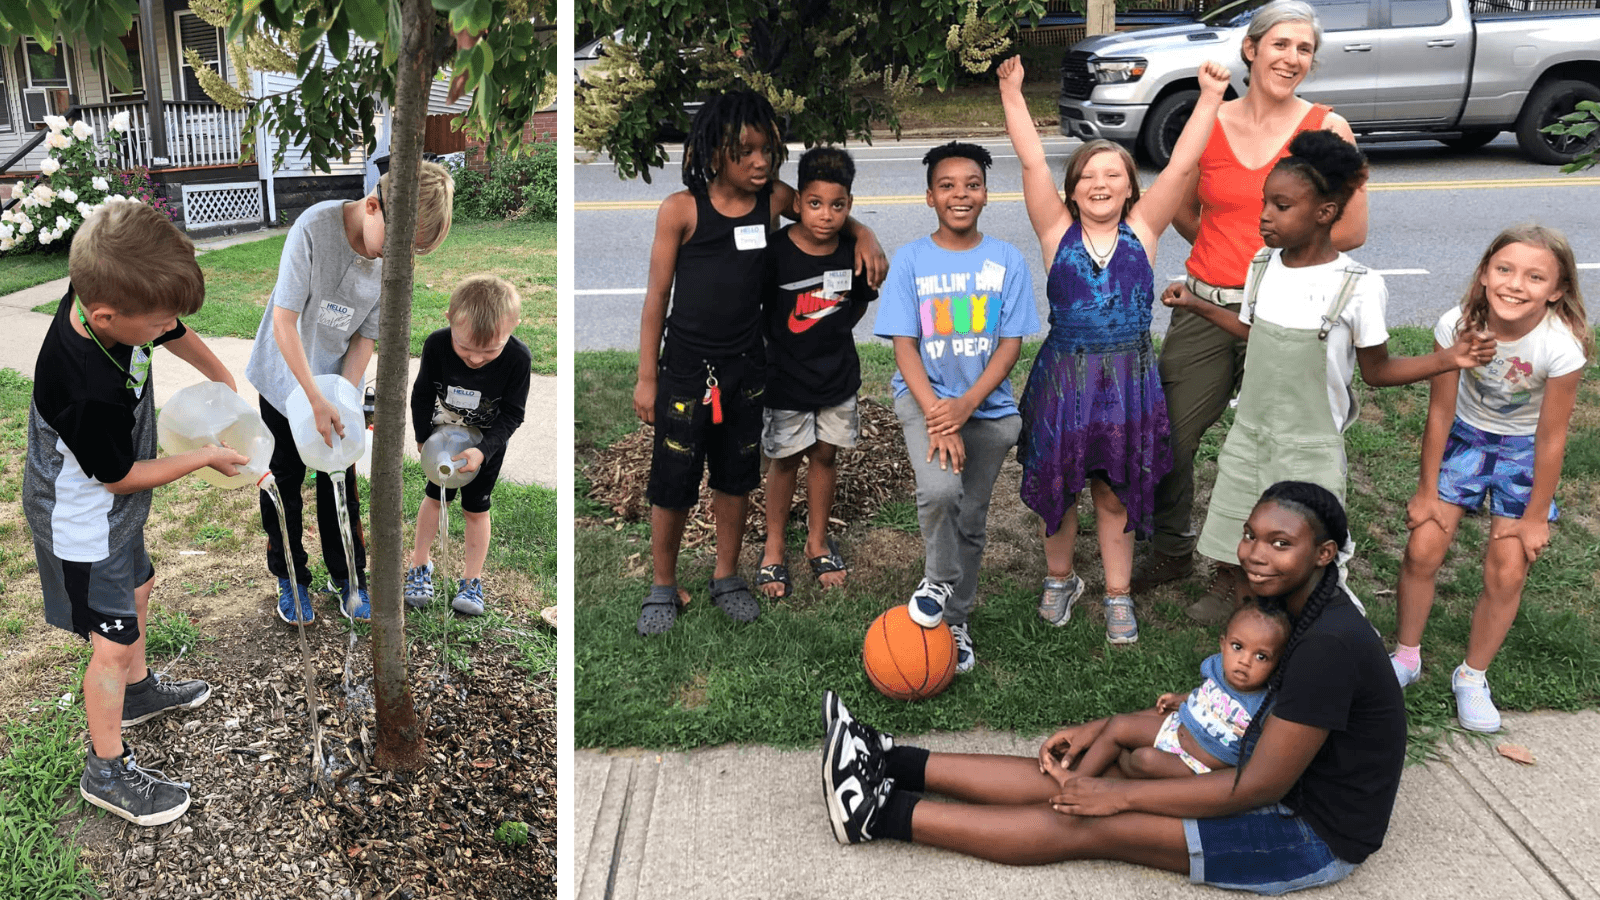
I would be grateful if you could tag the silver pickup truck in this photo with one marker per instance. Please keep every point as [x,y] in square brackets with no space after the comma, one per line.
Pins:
[1458,71]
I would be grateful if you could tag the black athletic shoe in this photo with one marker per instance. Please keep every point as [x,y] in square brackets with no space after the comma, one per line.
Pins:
[156,695]
[833,711]
[853,786]
[142,796]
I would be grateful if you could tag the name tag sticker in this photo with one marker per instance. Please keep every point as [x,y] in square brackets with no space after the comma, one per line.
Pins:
[461,398]
[992,277]
[335,315]
[750,237]
[837,281]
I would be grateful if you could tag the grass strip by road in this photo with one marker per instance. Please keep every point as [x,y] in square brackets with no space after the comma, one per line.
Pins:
[710,680]
[239,282]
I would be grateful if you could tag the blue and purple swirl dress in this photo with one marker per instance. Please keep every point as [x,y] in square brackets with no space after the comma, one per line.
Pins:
[1093,404]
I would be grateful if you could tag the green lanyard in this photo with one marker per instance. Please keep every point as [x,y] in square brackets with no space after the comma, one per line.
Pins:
[141,363]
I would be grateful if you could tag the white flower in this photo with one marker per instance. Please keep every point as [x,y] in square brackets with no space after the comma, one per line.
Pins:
[69,195]
[58,140]
[25,226]
[85,209]
[119,122]
[28,202]
[82,130]
[44,194]
[47,237]
[19,190]
[49,166]
[6,244]
[7,232]
[100,184]
[56,124]
[62,224]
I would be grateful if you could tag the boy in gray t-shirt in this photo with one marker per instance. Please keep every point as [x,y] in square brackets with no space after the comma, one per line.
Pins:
[322,320]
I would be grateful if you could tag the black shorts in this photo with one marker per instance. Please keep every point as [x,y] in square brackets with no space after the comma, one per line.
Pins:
[687,442]
[475,493]
[95,597]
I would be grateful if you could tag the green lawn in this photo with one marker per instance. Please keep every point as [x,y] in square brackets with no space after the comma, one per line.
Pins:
[239,282]
[18,272]
[710,680]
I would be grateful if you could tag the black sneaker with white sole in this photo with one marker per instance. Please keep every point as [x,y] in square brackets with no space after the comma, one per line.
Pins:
[853,786]
[156,695]
[833,710]
[142,796]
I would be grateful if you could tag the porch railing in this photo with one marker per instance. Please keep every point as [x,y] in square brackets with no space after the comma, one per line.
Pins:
[198,134]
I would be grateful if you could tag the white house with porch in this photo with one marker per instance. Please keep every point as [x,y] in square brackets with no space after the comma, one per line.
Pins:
[190,144]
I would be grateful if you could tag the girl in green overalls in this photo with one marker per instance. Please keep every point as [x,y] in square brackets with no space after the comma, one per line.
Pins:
[1310,314]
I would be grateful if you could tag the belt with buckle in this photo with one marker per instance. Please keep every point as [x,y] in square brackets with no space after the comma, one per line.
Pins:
[1221,296]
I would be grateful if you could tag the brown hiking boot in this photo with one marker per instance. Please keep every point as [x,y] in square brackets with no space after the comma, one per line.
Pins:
[1159,568]
[1217,603]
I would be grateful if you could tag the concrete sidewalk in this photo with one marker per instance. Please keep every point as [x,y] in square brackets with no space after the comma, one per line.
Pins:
[530,456]
[749,822]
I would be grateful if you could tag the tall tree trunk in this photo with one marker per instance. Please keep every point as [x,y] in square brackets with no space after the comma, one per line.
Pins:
[400,744]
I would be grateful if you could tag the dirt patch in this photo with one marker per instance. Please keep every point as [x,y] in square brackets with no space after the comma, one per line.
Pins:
[257,826]
[871,474]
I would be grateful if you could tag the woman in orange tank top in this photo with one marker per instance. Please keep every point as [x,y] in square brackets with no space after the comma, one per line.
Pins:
[1201,365]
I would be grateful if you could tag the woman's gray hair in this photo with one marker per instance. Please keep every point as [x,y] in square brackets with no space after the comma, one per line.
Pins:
[1276,13]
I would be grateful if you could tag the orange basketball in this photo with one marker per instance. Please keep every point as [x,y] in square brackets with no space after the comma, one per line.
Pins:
[905,661]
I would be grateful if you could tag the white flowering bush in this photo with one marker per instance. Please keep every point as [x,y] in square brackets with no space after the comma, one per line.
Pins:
[72,185]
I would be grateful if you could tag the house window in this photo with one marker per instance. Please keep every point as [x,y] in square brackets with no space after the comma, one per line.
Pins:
[132,46]
[206,41]
[46,81]
[5,99]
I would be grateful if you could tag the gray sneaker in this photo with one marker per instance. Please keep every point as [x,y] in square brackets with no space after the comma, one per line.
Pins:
[419,585]
[142,796]
[1055,604]
[156,695]
[469,597]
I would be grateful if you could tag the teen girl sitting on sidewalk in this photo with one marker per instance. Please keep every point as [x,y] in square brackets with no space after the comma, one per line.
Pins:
[1309,802]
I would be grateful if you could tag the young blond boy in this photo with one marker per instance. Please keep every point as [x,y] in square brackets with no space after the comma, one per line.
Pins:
[90,469]
[323,319]
[474,373]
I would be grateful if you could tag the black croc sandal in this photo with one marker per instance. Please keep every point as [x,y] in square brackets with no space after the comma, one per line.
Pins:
[775,573]
[829,562]
[732,596]
[660,609]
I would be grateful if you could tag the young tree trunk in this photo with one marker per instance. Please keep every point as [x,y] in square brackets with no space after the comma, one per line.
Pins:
[400,744]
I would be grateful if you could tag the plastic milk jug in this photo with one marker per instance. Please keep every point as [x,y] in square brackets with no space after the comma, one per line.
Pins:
[210,413]
[313,449]
[437,452]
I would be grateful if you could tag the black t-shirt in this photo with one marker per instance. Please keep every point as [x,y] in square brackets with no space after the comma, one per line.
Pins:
[492,399]
[1339,678]
[811,351]
[716,287]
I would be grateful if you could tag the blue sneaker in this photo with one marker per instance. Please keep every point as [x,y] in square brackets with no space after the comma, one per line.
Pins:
[286,604]
[419,586]
[469,597]
[356,605]
[927,603]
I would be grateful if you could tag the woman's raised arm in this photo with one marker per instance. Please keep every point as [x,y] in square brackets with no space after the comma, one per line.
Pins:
[1046,210]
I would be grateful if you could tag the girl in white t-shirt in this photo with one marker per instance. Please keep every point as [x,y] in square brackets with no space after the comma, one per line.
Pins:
[1498,432]
[1310,315]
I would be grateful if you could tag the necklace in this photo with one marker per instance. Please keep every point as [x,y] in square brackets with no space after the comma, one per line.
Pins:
[1095,256]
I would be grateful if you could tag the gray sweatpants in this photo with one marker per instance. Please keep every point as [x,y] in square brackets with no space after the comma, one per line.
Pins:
[953,509]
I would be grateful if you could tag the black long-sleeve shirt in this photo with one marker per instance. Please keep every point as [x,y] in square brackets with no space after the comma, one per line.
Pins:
[492,399]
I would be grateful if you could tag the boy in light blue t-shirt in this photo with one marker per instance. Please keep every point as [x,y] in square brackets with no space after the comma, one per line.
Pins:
[957,305]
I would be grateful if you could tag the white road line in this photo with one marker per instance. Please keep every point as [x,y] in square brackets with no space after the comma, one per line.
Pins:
[1400,271]
[592,291]
[1589,265]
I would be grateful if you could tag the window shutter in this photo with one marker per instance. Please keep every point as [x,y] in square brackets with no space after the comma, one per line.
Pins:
[205,40]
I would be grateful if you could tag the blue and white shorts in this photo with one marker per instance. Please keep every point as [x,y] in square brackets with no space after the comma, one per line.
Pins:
[1478,464]
[1266,851]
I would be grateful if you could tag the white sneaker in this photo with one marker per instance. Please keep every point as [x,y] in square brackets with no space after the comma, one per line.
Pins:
[964,658]
[1474,710]
[1403,673]
[927,603]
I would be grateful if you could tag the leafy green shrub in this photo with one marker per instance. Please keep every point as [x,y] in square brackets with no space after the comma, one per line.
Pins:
[516,186]
[512,834]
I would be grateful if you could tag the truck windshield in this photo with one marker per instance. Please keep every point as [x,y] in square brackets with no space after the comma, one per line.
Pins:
[1229,14]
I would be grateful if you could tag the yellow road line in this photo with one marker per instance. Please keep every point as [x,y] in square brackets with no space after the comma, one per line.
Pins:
[1016,196]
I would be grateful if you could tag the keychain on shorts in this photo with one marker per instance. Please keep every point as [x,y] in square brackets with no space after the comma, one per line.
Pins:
[713,397]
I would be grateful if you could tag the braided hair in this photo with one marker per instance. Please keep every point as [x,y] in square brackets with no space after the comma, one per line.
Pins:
[1333,166]
[716,130]
[1322,510]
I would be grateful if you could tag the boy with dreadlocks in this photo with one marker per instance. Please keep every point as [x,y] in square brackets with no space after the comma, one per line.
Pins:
[703,388]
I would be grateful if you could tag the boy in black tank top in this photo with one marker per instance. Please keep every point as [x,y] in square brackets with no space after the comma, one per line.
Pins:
[703,391]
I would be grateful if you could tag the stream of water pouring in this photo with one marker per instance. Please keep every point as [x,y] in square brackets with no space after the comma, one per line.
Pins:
[270,485]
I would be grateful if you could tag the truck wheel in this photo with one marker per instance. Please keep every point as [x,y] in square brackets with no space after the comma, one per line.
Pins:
[1471,140]
[1547,104]
[1163,125]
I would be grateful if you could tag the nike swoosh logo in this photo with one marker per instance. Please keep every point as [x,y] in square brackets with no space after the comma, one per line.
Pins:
[799,324]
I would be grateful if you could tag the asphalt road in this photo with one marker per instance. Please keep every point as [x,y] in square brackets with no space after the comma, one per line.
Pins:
[1433,211]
